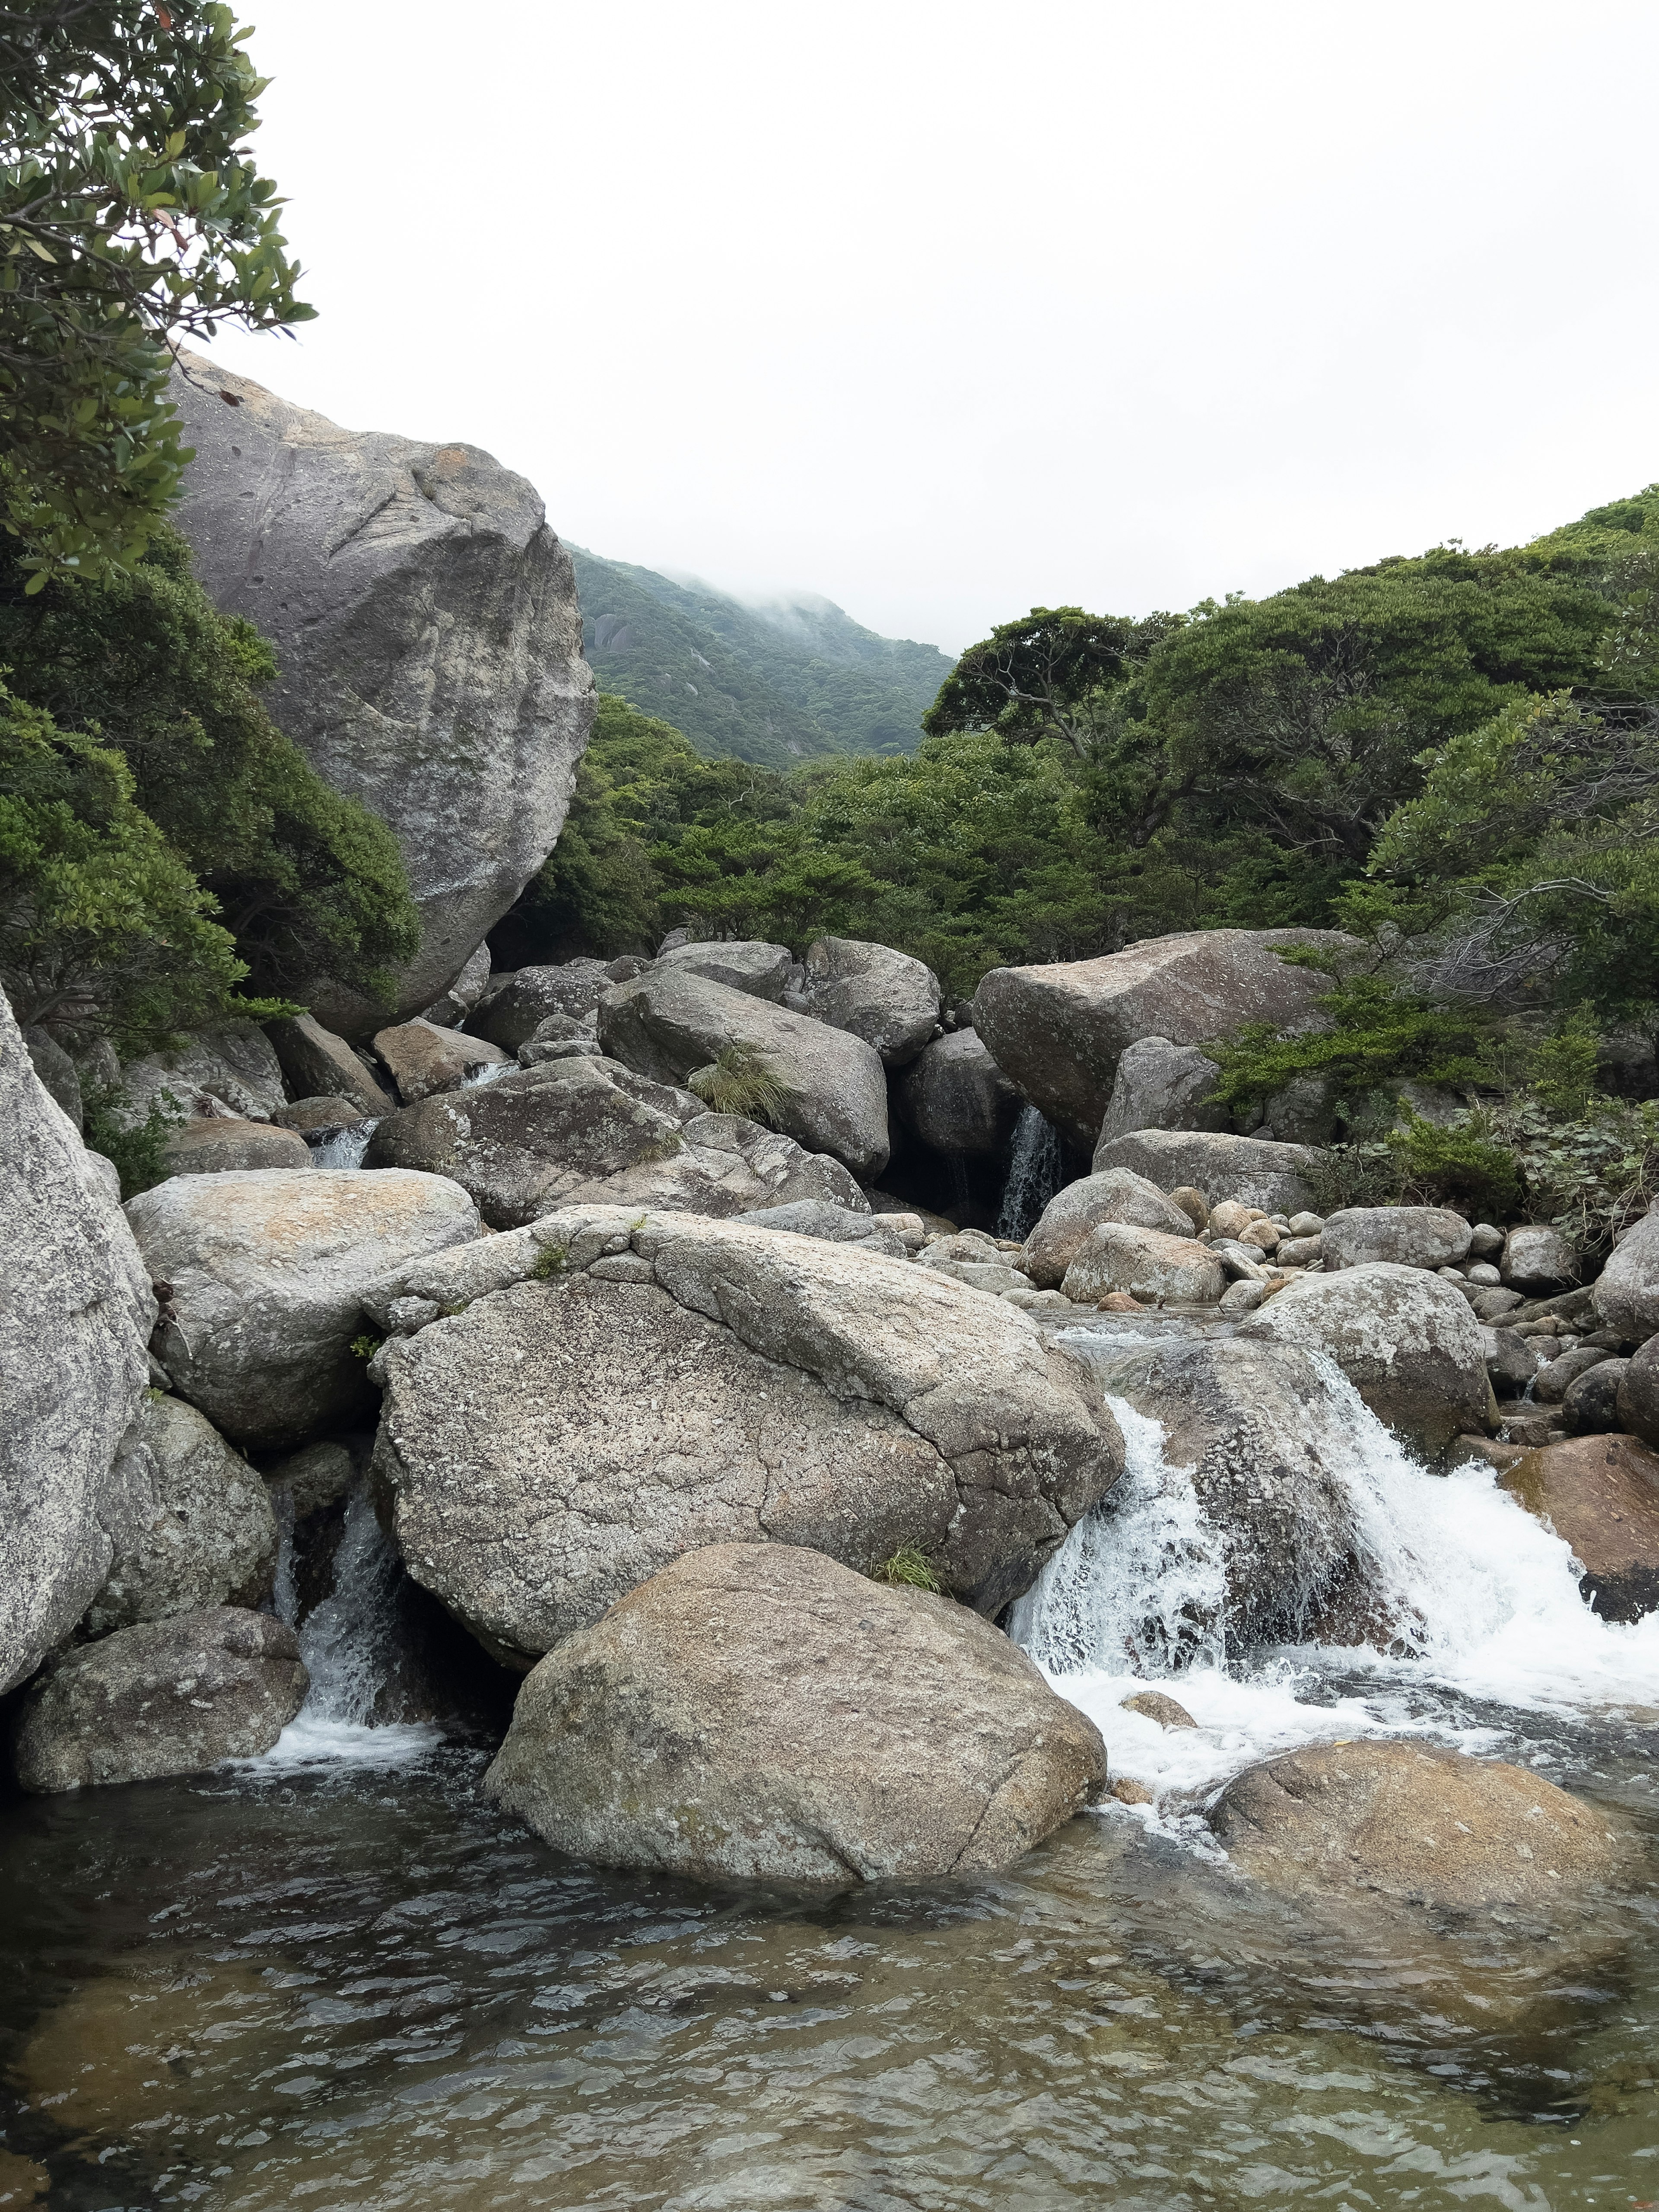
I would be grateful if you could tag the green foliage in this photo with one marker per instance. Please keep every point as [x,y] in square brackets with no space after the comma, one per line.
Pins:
[366,1347]
[1052,674]
[908,1569]
[138,1153]
[1460,1162]
[550,1262]
[1565,1069]
[742,1081]
[173,798]
[131,214]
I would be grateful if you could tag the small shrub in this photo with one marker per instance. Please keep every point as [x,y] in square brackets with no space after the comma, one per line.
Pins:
[139,1155]
[550,1263]
[741,1080]
[908,1569]
[365,1347]
[1459,1163]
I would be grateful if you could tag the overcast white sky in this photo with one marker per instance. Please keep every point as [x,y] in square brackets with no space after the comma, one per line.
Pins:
[947,311]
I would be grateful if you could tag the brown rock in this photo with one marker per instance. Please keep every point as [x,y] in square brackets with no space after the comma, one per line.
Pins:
[1131,1793]
[1119,1302]
[1417,1824]
[1600,1494]
[423,1060]
[1466,1450]
[1154,1706]
[327,1112]
[1193,1204]
[317,1063]
[227,1147]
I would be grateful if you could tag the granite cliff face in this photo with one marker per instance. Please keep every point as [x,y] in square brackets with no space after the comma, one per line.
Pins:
[428,640]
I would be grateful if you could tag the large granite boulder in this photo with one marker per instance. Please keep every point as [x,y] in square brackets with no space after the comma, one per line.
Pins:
[1637,1403]
[891,1000]
[1405,1339]
[591,1130]
[1252,1170]
[1408,1235]
[957,1099]
[423,1060]
[222,1145]
[167,1696]
[1538,1259]
[1601,1495]
[770,1715]
[745,964]
[652,1385]
[1266,1441]
[73,1365]
[1117,1195]
[192,1524]
[1060,1031]
[265,1272]
[1418,1825]
[234,1067]
[428,637]
[667,1023]
[1147,1264]
[515,1006]
[1627,1289]
[320,1064]
[1160,1086]
[58,1074]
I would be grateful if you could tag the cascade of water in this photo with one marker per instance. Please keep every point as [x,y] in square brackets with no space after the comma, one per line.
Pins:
[1036,1166]
[490,1071]
[344,1148]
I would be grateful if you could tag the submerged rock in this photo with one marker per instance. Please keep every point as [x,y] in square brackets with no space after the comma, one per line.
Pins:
[73,1363]
[765,1713]
[654,1384]
[168,1697]
[1601,1495]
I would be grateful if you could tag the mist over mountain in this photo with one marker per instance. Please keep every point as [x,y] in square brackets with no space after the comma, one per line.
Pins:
[778,683]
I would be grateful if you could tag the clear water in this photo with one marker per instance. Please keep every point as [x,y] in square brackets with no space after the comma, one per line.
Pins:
[1036,1168]
[337,1977]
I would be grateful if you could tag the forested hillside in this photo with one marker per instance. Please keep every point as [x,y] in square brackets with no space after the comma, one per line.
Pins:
[775,684]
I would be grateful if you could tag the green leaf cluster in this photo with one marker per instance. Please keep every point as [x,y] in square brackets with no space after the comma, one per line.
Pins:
[131,214]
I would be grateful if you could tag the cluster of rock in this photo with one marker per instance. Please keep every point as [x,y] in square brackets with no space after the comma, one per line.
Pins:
[679,1409]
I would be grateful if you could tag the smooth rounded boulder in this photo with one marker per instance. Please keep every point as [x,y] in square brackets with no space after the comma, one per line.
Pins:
[833,1098]
[513,1007]
[891,1000]
[73,1362]
[422,1059]
[1405,1339]
[167,1696]
[1155,1268]
[1119,1194]
[1279,1178]
[745,964]
[650,1384]
[1637,1403]
[1538,1259]
[957,1099]
[192,1524]
[1060,1029]
[770,1715]
[1405,1236]
[1601,1495]
[264,1274]
[1627,1289]
[223,1146]
[1160,1086]
[1416,1824]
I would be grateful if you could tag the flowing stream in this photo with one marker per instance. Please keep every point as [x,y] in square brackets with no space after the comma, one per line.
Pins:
[336,1977]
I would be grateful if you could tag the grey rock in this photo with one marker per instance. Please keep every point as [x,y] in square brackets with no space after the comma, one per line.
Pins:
[266,1272]
[1117,1194]
[763,971]
[192,1527]
[166,1697]
[1241,1297]
[563,1439]
[815,1217]
[73,1364]
[1493,1305]
[535,1055]
[891,1000]
[319,1475]
[665,1023]
[1299,1251]
[1538,1259]
[1160,1086]
[1511,1362]
[1273,1176]
[426,627]
[1306,1224]
[1638,1393]
[1155,1268]
[1485,1242]
[1406,1235]
[1626,1293]
[423,1060]
[326,1113]
[1061,1030]
[1590,1405]
[56,1070]
[319,1064]
[450,1011]
[220,1146]
[1304,1112]
[235,1066]
[776,1716]
[1557,1376]
[1243,1263]
[1482,1272]
[515,1007]
[1406,1341]
[957,1099]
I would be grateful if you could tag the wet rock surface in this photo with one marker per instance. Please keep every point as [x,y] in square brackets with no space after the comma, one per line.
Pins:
[1601,1495]
[767,1713]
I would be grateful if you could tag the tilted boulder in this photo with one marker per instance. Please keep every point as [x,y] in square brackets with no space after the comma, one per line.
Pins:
[769,1715]
[450,1011]
[1418,1825]
[666,1023]
[73,1363]
[653,1385]
[957,1099]
[265,1271]
[1627,1289]
[1148,1265]
[1257,1172]
[226,1147]
[760,970]
[1264,1438]
[1406,1339]
[423,1060]
[1601,1495]
[167,1696]
[234,1064]
[1060,1031]
[428,637]
[319,1065]
[1117,1195]
[1160,1086]
[1407,1236]
[193,1522]
[891,1000]
[514,1008]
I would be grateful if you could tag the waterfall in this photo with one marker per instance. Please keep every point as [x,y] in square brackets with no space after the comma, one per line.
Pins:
[343,1147]
[1036,1167]
[489,1071]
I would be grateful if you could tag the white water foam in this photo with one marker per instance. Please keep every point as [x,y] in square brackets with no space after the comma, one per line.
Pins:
[344,1150]
[1485,1595]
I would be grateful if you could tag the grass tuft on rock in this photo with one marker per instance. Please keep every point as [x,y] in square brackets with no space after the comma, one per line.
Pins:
[741,1080]
[909,1568]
